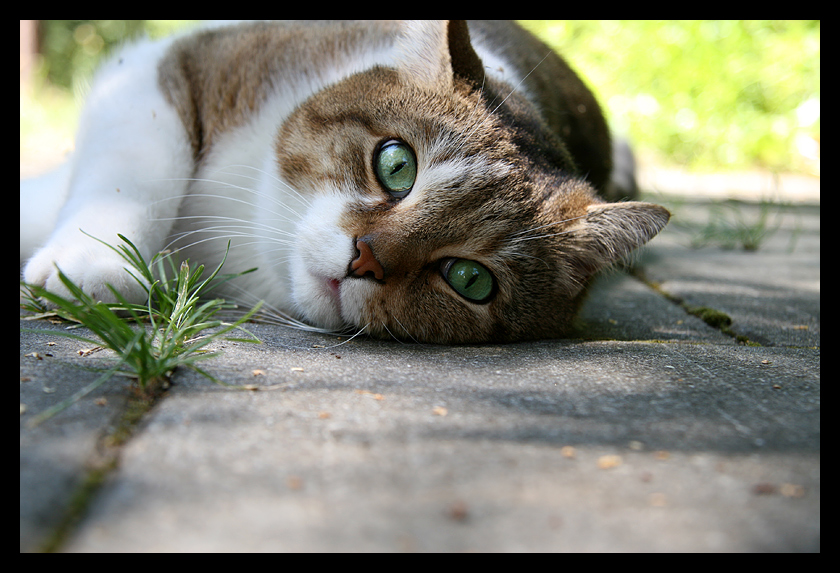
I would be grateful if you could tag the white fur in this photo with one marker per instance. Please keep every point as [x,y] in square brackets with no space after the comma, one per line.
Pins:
[41,200]
[420,47]
[115,185]
[322,252]
[292,239]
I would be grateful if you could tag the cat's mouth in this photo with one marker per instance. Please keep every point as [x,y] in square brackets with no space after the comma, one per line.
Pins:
[333,286]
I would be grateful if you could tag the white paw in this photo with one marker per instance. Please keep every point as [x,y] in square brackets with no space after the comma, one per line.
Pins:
[89,265]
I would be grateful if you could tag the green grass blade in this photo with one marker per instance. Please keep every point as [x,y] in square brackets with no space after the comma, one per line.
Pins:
[64,404]
[177,314]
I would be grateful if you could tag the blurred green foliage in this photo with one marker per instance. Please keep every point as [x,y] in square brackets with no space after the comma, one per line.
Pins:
[69,52]
[703,94]
[72,49]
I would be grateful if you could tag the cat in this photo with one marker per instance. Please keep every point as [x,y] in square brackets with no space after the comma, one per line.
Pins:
[435,181]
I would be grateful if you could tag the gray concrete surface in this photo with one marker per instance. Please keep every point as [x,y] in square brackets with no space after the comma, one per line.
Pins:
[651,431]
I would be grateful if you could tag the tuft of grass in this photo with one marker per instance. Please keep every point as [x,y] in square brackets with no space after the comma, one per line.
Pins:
[729,228]
[169,331]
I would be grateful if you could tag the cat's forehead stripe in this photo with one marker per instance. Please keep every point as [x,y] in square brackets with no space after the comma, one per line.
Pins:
[448,173]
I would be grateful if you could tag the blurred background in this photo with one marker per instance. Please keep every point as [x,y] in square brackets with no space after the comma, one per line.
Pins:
[693,97]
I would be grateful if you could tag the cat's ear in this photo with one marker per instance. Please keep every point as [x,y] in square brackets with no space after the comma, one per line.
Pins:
[433,52]
[612,231]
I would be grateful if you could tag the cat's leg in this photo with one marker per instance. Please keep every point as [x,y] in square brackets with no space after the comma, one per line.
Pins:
[41,198]
[128,174]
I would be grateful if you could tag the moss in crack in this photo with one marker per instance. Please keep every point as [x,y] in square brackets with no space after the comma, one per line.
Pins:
[715,318]
[103,462]
[719,320]
[711,316]
[78,505]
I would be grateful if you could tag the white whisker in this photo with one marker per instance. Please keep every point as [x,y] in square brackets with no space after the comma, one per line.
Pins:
[245,223]
[524,256]
[404,328]
[385,326]
[242,201]
[273,177]
[271,315]
[532,229]
[543,236]
[520,82]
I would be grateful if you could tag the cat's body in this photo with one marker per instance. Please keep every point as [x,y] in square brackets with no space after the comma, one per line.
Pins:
[420,181]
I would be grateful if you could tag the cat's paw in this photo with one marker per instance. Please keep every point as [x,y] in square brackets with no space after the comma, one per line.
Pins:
[90,266]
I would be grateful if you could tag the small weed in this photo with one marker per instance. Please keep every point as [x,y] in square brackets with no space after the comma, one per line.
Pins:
[729,228]
[182,324]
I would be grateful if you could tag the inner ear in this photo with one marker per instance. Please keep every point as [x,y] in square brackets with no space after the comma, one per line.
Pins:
[614,230]
[611,231]
[433,52]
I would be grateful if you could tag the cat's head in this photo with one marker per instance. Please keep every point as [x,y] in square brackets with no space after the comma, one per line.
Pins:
[440,207]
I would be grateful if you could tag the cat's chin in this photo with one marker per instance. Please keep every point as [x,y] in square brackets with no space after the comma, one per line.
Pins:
[318,299]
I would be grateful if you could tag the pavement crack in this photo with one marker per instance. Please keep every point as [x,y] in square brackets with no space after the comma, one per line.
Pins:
[102,463]
[713,317]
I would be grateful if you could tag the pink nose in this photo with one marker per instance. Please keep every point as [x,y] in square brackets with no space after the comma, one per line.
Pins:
[366,262]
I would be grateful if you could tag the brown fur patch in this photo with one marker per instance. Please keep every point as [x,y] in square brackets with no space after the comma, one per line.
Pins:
[218,78]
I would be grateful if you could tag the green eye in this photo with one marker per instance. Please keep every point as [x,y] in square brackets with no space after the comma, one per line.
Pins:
[470,279]
[396,168]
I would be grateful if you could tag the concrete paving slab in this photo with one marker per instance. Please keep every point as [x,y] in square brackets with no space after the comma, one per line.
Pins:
[54,457]
[652,431]
[567,446]
[621,307]
[772,295]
